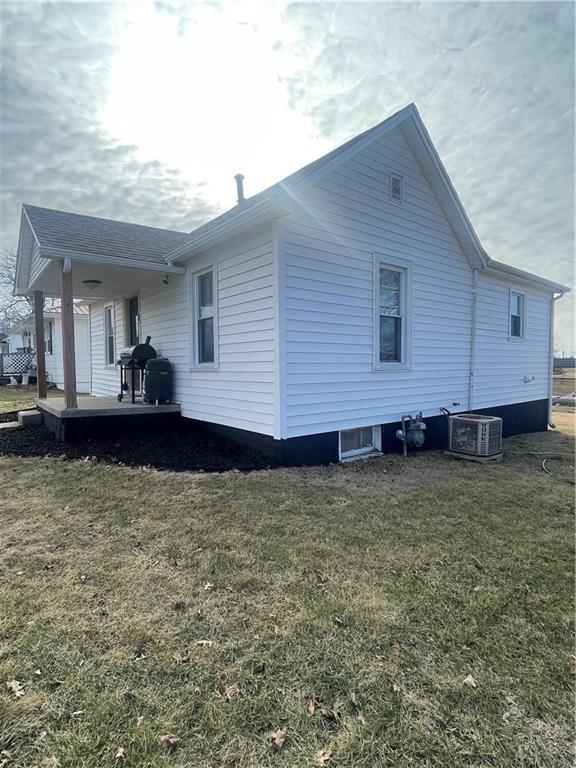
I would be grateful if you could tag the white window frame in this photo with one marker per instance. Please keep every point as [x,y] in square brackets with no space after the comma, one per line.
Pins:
[376,446]
[405,268]
[107,363]
[400,177]
[195,365]
[515,292]
[126,314]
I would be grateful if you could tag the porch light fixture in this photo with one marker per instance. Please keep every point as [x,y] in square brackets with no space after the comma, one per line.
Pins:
[92,284]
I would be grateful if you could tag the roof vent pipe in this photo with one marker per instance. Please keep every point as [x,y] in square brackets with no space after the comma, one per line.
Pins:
[240,187]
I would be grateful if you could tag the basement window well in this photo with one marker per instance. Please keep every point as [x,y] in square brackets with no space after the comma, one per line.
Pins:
[359,442]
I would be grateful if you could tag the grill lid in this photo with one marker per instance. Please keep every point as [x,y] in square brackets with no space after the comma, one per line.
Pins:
[138,354]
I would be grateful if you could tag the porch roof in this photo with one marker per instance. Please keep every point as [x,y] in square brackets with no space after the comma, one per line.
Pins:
[104,237]
[118,258]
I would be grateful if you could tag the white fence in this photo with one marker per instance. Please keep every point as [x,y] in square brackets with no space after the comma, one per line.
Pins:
[17,363]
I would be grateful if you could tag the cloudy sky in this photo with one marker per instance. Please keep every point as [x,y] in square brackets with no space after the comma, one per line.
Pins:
[144,111]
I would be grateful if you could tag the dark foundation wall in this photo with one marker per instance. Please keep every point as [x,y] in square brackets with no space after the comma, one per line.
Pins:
[78,427]
[517,419]
[323,448]
[297,451]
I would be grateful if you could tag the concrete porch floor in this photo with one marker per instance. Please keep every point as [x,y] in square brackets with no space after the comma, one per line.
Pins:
[102,406]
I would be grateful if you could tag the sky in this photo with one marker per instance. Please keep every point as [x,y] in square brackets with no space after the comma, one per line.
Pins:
[144,111]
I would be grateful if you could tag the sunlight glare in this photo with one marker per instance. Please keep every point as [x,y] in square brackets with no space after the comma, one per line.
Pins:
[203,93]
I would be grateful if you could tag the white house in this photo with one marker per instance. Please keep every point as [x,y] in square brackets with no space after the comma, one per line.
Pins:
[22,335]
[310,318]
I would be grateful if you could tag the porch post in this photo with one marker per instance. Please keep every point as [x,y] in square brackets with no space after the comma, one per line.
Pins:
[40,349]
[68,352]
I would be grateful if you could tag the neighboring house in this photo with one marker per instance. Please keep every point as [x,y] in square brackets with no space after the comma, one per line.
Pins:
[22,336]
[310,318]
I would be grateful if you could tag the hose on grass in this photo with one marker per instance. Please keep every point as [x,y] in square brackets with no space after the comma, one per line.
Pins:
[556,477]
[549,455]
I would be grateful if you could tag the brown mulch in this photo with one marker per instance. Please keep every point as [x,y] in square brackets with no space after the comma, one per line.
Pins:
[182,448]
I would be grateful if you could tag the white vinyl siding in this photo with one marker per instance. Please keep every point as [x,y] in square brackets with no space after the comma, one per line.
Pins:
[295,345]
[37,264]
[55,362]
[241,392]
[510,373]
[331,381]
[105,378]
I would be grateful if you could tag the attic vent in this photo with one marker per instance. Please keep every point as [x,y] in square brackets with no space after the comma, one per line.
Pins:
[396,188]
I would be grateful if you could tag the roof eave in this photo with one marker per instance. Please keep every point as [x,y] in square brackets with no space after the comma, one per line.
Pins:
[247,219]
[52,252]
[476,250]
[499,269]
[23,260]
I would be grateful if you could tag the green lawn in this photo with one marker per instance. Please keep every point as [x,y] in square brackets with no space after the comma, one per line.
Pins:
[384,613]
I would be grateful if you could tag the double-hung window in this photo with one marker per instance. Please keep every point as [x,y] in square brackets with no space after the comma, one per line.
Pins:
[517,313]
[392,314]
[204,318]
[109,335]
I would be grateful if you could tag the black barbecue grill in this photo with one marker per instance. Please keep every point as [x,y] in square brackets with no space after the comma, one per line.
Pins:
[133,364]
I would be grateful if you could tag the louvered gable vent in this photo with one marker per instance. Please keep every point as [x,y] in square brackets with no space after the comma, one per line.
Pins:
[396,188]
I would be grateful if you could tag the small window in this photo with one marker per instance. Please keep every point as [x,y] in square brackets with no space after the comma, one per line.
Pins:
[517,315]
[390,315]
[109,335]
[396,188]
[48,341]
[357,442]
[205,318]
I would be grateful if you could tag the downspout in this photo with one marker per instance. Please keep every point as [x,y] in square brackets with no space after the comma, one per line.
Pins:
[473,295]
[551,365]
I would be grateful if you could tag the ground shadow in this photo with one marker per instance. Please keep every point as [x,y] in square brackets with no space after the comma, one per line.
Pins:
[180,449]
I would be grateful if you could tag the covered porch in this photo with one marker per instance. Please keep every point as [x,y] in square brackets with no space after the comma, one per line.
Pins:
[74,257]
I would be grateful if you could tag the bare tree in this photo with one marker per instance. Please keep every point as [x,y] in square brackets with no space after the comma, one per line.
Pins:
[12,308]
[559,348]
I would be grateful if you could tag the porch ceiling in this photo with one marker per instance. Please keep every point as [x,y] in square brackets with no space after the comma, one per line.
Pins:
[116,281]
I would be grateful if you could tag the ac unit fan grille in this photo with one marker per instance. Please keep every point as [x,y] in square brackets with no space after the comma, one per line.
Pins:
[475,435]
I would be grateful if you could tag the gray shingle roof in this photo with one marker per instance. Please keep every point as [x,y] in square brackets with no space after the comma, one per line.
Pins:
[89,234]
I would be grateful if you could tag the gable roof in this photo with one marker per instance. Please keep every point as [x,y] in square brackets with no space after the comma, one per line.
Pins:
[286,186]
[80,310]
[58,233]
[106,237]
[286,192]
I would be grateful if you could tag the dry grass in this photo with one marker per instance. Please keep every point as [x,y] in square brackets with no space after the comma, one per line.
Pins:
[393,580]
[566,383]
[21,398]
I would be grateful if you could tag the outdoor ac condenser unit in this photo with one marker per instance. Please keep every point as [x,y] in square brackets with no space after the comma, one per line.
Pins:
[472,435]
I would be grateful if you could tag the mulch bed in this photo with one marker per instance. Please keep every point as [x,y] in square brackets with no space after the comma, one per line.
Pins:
[184,448]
